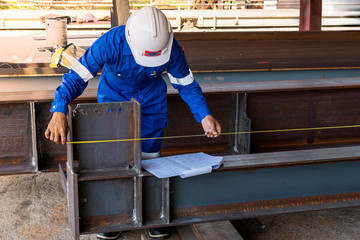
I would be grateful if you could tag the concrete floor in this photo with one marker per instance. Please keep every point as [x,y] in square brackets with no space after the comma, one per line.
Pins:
[336,224]
[33,207]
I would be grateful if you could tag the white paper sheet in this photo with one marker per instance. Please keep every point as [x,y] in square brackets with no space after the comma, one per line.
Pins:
[185,165]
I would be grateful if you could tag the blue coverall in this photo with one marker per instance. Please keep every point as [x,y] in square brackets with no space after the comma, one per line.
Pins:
[122,79]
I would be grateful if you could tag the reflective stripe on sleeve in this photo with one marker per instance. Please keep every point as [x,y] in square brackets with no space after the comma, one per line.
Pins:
[182,81]
[80,69]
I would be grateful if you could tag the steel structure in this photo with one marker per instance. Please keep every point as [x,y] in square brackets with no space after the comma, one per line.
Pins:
[265,173]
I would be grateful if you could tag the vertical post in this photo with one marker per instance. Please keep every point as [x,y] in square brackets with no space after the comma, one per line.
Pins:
[310,15]
[122,11]
[304,21]
[316,15]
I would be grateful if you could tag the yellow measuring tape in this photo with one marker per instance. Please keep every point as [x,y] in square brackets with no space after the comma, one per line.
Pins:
[229,133]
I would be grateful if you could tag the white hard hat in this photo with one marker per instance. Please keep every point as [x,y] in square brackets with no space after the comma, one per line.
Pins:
[150,37]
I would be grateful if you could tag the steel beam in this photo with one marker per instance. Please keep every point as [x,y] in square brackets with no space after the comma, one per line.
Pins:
[248,185]
[269,105]
[107,190]
[262,51]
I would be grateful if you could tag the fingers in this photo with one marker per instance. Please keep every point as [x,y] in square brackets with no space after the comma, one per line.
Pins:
[63,137]
[57,129]
[47,133]
[56,138]
[211,127]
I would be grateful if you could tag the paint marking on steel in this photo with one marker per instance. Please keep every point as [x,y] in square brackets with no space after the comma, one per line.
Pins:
[229,133]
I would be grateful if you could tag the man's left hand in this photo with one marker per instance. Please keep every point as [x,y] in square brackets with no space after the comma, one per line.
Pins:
[211,127]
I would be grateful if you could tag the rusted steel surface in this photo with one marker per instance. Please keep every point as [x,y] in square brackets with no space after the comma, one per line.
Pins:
[188,126]
[15,138]
[209,51]
[302,109]
[101,173]
[49,154]
[328,103]
[105,222]
[316,15]
[234,51]
[108,191]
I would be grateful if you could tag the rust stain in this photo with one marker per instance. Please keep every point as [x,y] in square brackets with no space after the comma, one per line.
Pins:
[92,223]
[232,208]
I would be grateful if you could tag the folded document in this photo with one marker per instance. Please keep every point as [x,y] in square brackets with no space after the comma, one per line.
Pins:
[185,165]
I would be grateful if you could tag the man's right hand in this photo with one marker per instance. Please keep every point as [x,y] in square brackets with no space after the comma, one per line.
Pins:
[57,128]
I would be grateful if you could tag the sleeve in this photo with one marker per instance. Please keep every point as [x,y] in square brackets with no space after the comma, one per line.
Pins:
[182,79]
[86,68]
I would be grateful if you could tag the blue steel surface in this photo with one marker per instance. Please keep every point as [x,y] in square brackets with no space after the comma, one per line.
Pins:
[265,184]
[152,193]
[109,197]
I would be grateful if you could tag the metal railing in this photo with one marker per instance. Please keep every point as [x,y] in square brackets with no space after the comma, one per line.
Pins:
[181,5]
[237,15]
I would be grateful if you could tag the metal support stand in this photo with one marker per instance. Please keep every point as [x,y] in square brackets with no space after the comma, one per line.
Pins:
[104,182]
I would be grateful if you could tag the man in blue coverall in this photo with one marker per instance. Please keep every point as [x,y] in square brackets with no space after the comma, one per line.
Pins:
[133,57]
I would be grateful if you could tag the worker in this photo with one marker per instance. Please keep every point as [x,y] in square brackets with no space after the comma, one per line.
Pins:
[133,57]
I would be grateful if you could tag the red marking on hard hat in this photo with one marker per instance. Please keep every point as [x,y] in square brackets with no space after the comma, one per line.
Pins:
[152,53]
